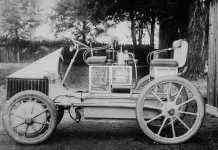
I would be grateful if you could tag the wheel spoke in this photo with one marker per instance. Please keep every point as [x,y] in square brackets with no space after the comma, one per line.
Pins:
[186,102]
[165,119]
[183,123]
[177,96]
[40,113]
[173,95]
[47,123]
[19,125]
[17,116]
[158,98]
[25,133]
[33,128]
[33,107]
[160,88]
[40,122]
[173,129]
[168,92]
[189,113]
[154,118]
[152,107]
[24,111]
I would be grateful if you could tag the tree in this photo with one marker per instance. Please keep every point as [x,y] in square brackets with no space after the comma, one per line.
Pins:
[77,17]
[18,20]
[197,39]
[168,26]
[148,12]
[142,14]
[187,19]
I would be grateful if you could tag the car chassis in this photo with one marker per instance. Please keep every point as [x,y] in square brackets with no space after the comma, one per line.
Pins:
[168,108]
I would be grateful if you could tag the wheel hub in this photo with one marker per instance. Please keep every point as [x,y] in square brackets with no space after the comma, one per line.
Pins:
[29,120]
[26,115]
[171,112]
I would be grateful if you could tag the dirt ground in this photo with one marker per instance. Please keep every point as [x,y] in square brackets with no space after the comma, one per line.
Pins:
[108,135]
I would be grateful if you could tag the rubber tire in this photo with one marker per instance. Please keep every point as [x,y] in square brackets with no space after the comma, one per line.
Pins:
[142,82]
[140,117]
[7,109]
[60,111]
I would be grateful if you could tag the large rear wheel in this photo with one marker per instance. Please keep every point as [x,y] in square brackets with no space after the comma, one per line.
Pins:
[142,83]
[29,117]
[145,80]
[178,120]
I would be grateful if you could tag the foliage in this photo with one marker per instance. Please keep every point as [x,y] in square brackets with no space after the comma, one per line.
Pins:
[142,14]
[18,18]
[78,17]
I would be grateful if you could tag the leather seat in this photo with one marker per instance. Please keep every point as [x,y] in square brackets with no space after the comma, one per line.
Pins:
[96,60]
[164,63]
[179,58]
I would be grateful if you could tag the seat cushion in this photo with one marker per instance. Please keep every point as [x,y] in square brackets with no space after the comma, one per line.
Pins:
[96,60]
[164,62]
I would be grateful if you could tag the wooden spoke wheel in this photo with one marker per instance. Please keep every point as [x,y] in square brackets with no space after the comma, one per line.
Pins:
[29,117]
[179,117]
[145,80]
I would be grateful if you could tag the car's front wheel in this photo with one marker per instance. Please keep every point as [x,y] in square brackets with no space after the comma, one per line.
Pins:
[29,117]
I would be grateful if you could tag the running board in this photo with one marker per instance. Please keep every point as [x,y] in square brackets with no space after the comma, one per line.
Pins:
[211,110]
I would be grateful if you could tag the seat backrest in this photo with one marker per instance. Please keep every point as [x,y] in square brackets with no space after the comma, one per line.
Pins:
[180,52]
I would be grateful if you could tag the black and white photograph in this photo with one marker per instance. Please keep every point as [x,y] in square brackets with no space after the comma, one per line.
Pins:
[109,74]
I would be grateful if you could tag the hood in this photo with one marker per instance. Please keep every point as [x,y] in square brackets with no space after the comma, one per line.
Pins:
[37,69]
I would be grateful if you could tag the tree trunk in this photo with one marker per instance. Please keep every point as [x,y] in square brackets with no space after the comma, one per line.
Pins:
[140,32]
[84,32]
[166,38]
[18,52]
[17,46]
[198,34]
[152,33]
[133,32]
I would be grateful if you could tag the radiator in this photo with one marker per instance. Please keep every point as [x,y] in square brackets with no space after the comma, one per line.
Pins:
[16,85]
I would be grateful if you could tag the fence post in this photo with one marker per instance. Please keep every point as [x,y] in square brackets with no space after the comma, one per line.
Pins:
[212,89]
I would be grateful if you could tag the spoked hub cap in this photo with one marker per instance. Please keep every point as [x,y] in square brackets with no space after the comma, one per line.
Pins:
[171,112]
[28,118]
[169,109]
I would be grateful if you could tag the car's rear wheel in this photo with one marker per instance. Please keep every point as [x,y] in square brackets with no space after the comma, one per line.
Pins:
[180,117]
[29,117]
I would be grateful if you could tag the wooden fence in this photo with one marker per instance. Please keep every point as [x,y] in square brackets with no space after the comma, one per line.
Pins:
[34,51]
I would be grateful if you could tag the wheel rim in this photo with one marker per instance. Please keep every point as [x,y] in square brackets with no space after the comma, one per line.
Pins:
[30,118]
[165,88]
[141,85]
[171,107]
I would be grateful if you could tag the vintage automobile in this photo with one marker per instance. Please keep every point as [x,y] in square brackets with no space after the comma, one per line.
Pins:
[168,108]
